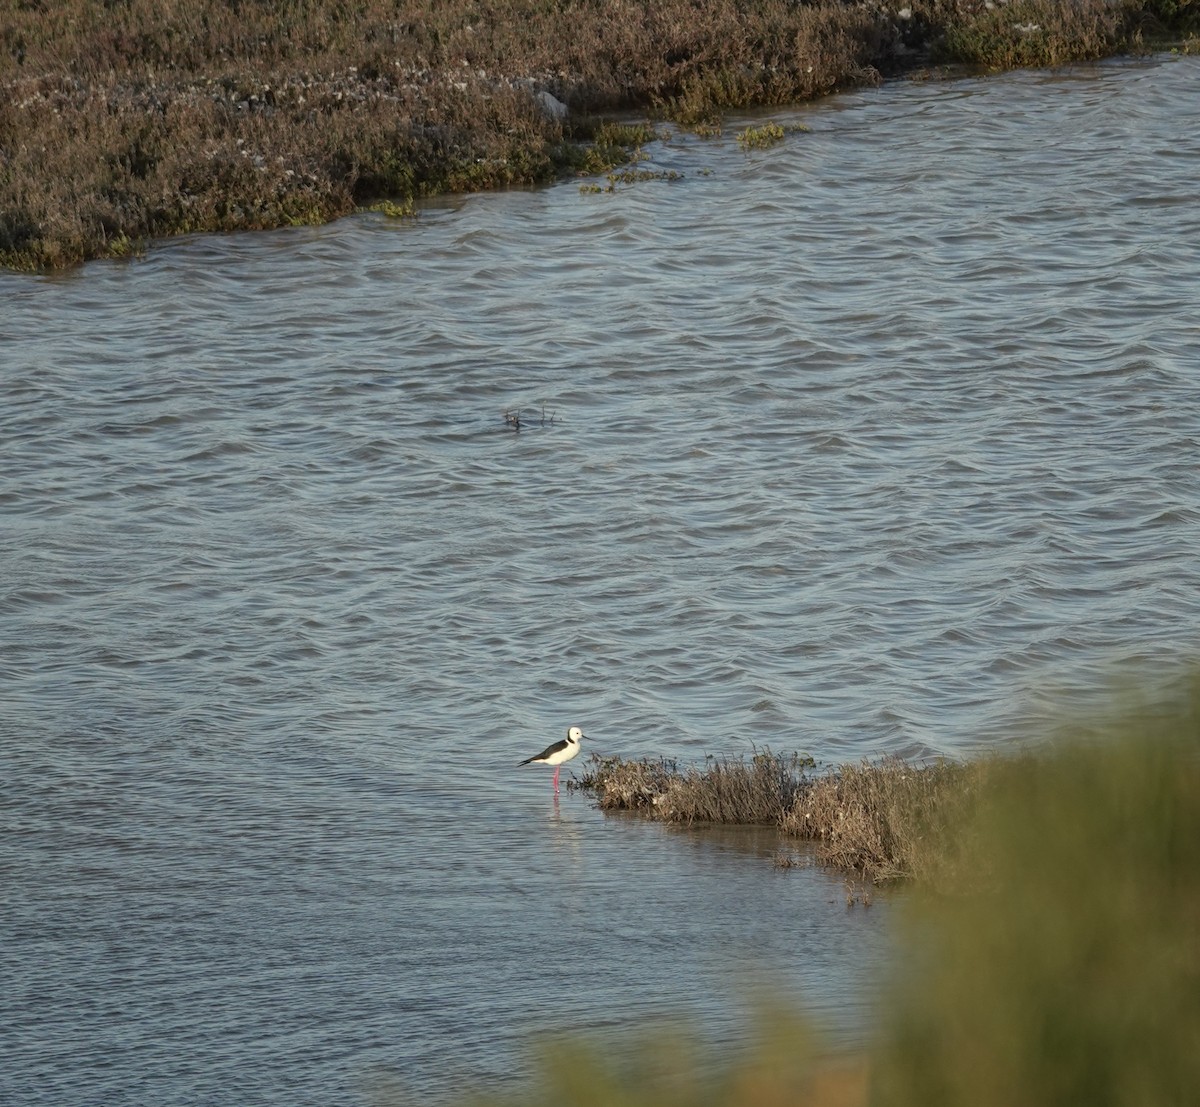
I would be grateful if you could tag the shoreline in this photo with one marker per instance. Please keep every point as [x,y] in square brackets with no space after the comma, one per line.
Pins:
[120,124]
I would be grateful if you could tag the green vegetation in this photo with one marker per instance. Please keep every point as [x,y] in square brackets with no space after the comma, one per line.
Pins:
[671,1068]
[623,177]
[1058,962]
[760,137]
[126,120]
[393,209]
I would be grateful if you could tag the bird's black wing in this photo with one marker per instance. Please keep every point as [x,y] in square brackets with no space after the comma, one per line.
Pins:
[557,747]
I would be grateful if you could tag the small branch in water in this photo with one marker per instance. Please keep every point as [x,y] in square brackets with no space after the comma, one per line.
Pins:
[512,418]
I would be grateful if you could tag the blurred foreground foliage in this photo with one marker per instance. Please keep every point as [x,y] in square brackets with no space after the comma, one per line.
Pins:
[1065,967]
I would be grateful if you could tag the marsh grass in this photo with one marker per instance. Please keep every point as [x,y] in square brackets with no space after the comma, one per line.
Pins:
[760,137]
[885,820]
[891,819]
[126,120]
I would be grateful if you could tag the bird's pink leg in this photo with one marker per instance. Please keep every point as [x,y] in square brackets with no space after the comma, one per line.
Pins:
[556,768]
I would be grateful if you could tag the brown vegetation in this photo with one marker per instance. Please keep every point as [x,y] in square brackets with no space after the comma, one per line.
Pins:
[123,120]
[749,793]
[885,820]
[891,819]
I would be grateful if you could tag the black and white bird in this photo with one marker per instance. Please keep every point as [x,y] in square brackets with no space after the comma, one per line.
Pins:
[559,752]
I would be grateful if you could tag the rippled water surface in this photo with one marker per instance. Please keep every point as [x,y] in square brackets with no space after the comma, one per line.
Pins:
[882,440]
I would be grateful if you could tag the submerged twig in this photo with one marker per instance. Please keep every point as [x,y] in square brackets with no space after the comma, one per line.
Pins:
[512,418]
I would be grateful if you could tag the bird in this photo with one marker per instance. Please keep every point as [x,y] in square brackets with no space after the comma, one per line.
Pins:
[559,752]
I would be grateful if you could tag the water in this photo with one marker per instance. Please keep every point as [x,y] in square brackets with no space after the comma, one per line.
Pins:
[882,440]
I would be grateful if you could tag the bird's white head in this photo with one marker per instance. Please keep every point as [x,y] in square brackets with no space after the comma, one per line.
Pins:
[574,735]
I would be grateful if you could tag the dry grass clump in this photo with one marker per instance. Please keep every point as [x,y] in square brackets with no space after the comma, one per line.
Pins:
[727,790]
[624,785]
[890,819]
[736,791]
[885,820]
